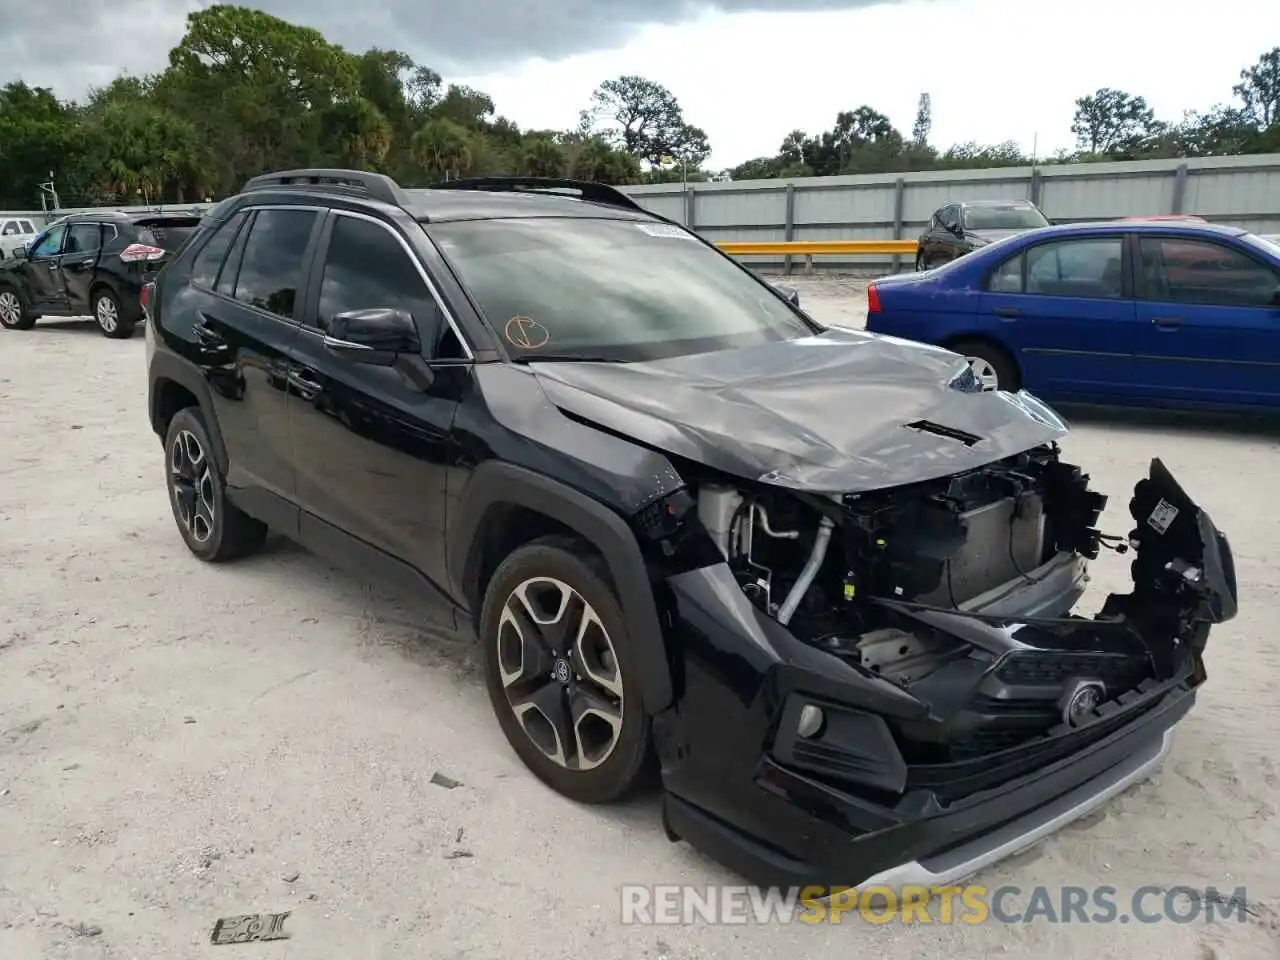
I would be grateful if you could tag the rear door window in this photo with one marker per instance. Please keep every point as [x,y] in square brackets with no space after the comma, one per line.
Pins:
[84,238]
[271,266]
[209,261]
[1090,268]
[1007,278]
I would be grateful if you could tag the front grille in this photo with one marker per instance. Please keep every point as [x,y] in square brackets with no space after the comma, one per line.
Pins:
[982,762]
[1042,668]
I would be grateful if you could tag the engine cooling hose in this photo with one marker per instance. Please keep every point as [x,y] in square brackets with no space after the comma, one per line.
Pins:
[811,568]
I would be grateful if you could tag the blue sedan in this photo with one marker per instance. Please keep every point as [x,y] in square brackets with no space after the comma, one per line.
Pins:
[1173,313]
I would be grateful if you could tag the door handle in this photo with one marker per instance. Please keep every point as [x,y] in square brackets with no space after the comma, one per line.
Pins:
[1167,323]
[1009,313]
[205,336]
[53,267]
[307,388]
[87,263]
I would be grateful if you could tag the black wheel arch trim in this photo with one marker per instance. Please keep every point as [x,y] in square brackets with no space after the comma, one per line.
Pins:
[166,366]
[494,483]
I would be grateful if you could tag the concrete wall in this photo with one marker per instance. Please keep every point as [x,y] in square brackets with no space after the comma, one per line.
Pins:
[1243,191]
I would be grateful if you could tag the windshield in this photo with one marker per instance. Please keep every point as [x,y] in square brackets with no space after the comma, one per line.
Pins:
[1012,216]
[610,289]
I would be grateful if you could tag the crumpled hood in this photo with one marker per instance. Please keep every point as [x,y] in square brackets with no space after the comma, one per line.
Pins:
[825,414]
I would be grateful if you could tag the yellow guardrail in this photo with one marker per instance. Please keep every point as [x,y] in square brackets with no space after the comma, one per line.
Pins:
[816,248]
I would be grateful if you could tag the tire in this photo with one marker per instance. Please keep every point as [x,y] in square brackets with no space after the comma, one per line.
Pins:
[990,361]
[13,313]
[603,762]
[213,528]
[110,316]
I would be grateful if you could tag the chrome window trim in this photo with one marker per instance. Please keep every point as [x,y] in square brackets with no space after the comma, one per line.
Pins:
[417,263]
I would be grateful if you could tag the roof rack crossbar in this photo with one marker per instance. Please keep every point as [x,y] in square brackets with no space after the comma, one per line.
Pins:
[376,186]
[587,190]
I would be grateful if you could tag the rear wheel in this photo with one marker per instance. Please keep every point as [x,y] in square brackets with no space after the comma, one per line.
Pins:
[13,314]
[110,316]
[213,527]
[993,367]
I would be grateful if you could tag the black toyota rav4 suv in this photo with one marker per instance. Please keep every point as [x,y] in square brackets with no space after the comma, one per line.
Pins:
[816,578]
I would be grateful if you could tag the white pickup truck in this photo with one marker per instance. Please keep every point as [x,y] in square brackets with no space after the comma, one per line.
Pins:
[14,232]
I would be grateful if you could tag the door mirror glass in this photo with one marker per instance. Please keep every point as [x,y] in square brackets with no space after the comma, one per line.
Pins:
[374,336]
[20,251]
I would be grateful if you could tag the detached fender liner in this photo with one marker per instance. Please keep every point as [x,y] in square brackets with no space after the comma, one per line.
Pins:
[495,483]
[167,366]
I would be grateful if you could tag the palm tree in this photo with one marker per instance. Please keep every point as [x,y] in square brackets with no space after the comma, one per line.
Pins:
[542,157]
[442,147]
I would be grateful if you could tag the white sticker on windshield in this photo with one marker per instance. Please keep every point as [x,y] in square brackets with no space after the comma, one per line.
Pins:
[1162,516]
[665,231]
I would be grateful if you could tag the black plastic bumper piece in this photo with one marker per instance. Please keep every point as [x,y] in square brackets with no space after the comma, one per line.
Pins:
[938,848]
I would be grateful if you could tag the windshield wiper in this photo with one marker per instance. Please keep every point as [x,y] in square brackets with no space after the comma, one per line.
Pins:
[564,358]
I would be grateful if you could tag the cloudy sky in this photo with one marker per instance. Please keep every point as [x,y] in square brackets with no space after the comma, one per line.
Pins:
[747,71]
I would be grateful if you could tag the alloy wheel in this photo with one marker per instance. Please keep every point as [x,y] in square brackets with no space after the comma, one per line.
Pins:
[10,308]
[985,372]
[108,316]
[191,480]
[560,673]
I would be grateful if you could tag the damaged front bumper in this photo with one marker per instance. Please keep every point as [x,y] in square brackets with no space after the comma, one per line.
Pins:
[864,801]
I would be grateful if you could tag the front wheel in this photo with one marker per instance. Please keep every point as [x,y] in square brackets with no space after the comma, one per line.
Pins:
[110,317]
[562,673]
[13,315]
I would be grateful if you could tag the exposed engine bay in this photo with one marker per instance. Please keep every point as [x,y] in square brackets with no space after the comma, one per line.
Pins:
[961,590]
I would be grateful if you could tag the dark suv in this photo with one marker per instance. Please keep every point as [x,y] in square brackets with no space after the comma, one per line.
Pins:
[90,264]
[959,228]
[817,577]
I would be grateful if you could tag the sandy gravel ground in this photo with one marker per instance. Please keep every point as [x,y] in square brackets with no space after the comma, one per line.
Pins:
[180,743]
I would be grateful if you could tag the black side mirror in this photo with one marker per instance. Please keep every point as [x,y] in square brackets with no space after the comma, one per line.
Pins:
[20,252]
[377,336]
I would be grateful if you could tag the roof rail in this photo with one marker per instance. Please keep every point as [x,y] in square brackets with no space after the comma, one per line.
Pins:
[587,190]
[376,186]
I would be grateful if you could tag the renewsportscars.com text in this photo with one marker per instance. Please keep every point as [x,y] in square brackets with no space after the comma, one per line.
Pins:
[970,904]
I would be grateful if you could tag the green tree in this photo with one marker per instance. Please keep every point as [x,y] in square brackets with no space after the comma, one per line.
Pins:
[924,121]
[443,148]
[645,119]
[258,87]
[38,137]
[464,106]
[542,157]
[1112,122]
[1259,89]
[596,159]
